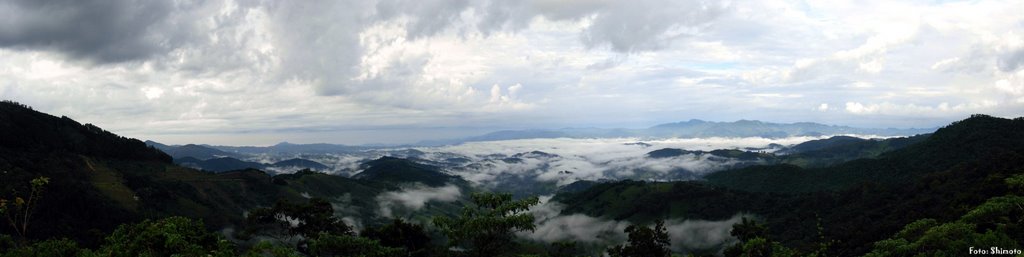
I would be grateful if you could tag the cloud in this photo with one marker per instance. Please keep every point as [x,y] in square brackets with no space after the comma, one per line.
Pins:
[684,235]
[1011,56]
[415,198]
[569,160]
[249,71]
[702,234]
[637,26]
[887,108]
[100,31]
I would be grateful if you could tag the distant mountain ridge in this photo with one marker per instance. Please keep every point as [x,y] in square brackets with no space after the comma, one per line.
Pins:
[192,150]
[224,164]
[399,171]
[285,147]
[693,128]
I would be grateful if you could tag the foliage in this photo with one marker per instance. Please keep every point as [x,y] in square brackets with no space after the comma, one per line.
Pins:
[754,242]
[748,229]
[1016,182]
[943,177]
[329,245]
[644,242]
[995,223]
[31,131]
[397,170]
[174,236]
[487,227]
[19,210]
[762,247]
[400,234]
[563,249]
[268,249]
[287,221]
[48,248]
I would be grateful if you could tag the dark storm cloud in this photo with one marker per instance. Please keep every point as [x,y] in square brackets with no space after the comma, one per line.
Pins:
[103,31]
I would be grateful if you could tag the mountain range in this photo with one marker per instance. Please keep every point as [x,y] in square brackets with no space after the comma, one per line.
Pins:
[693,129]
[842,196]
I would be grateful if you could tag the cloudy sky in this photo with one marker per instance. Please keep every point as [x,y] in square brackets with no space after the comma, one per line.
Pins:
[392,71]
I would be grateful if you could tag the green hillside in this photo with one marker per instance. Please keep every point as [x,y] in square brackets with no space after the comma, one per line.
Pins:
[99,180]
[399,171]
[858,202]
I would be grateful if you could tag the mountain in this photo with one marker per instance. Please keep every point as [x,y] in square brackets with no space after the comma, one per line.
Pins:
[960,143]
[728,153]
[300,163]
[854,204]
[754,128]
[98,181]
[831,151]
[518,134]
[219,164]
[27,131]
[288,148]
[192,150]
[823,143]
[691,129]
[402,171]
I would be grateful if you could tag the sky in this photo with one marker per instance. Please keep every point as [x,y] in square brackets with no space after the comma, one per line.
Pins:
[243,72]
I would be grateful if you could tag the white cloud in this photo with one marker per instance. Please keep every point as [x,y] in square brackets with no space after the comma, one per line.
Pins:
[683,234]
[415,198]
[152,92]
[286,68]
[571,160]
[886,108]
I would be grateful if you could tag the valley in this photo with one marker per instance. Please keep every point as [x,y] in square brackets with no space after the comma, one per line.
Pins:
[801,188]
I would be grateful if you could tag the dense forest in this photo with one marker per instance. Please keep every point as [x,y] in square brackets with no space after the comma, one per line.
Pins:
[72,189]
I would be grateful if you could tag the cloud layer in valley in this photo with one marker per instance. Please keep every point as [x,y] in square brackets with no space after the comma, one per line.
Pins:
[414,198]
[564,160]
[560,161]
[395,71]
[684,235]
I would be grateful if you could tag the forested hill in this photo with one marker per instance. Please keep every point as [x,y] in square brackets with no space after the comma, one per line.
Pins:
[28,131]
[964,169]
[99,180]
[969,142]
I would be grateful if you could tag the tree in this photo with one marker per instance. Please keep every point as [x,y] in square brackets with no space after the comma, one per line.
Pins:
[330,245]
[174,236]
[644,241]
[994,223]
[18,211]
[562,249]
[268,249]
[747,229]
[400,234]
[48,248]
[754,242]
[488,225]
[287,222]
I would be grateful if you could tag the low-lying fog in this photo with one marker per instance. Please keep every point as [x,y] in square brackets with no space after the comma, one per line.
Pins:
[560,161]
[539,166]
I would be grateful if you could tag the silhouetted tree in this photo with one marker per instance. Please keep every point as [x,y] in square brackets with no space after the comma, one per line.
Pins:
[287,222]
[488,225]
[401,234]
[174,236]
[644,241]
[19,210]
